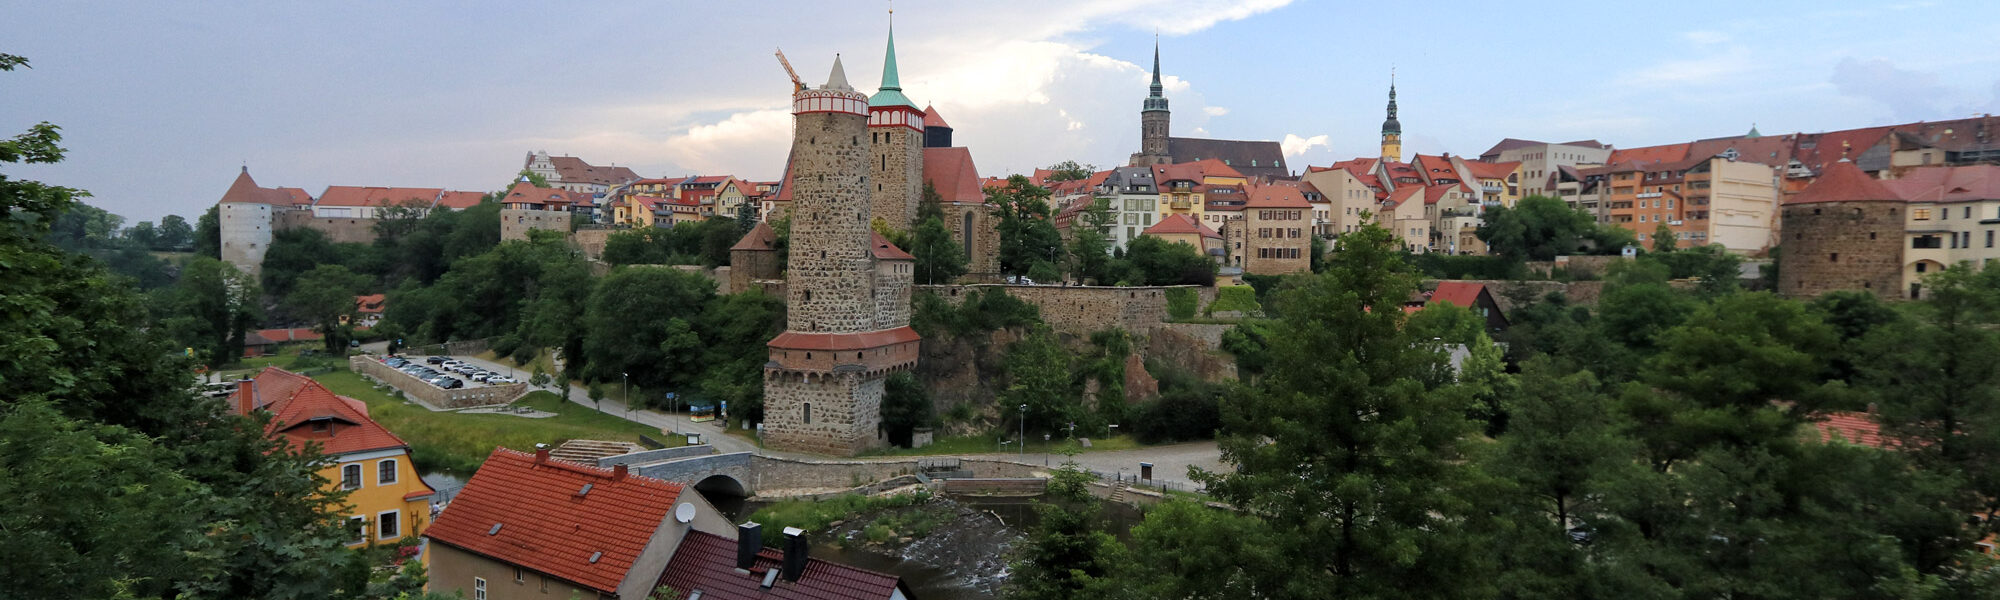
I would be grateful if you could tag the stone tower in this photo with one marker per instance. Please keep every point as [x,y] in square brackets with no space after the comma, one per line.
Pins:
[823,386]
[1153,122]
[1392,130]
[246,218]
[896,134]
[1843,232]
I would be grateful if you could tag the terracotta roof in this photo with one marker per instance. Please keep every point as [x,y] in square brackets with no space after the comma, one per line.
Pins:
[884,250]
[1649,154]
[1855,427]
[295,334]
[1197,171]
[525,509]
[526,193]
[570,169]
[460,200]
[951,172]
[1179,223]
[1828,148]
[371,303]
[707,179]
[1276,196]
[1492,170]
[1401,195]
[1770,150]
[245,190]
[1843,182]
[298,405]
[1432,194]
[792,340]
[1947,184]
[760,237]
[1249,158]
[933,119]
[1459,293]
[1505,145]
[349,195]
[706,562]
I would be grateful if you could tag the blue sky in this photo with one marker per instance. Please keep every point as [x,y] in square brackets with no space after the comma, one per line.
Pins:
[162,102]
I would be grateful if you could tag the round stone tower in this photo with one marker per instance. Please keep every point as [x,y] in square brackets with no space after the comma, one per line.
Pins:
[845,331]
[896,133]
[1843,232]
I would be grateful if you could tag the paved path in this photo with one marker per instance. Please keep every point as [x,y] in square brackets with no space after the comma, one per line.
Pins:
[1170,462]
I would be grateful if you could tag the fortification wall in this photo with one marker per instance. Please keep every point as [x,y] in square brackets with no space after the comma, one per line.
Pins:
[1080,310]
[340,230]
[591,241]
[516,223]
[434,395]
[1833,246]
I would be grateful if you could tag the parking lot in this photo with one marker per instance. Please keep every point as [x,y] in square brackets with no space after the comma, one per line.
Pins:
[447,373]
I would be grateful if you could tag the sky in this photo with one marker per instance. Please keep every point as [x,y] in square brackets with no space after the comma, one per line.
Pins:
[161,103]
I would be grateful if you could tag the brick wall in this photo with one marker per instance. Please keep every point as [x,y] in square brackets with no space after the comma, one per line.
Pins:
[1080,310]
[433,395]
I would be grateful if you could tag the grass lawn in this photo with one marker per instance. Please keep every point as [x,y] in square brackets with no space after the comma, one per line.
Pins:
[545,360]
[460,442]
[982,444]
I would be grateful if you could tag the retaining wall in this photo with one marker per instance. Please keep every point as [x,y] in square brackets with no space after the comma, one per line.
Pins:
[1080,310]
[1010,486]
[647,456]
[776,473]
[434,395]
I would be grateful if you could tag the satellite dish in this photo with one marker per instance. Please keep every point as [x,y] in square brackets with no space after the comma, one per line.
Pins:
[684,513]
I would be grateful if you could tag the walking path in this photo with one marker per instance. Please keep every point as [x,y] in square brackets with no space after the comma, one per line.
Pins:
[711,431]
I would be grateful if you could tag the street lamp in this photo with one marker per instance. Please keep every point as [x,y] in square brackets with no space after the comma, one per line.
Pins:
[1024,430]
[628,394]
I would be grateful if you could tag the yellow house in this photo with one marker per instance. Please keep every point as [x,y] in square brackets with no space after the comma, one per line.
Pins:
[1184,187]
[387,501]
[1183,229]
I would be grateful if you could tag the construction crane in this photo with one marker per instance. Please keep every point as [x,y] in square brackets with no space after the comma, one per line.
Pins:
[798,85]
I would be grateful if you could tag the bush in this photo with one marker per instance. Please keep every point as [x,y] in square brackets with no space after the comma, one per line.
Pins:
[1188,408]
[1241,298]
[1182,303]
[1446,266]
[983,310]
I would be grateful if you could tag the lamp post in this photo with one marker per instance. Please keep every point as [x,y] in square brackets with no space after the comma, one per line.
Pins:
[627,378]
[1024,430]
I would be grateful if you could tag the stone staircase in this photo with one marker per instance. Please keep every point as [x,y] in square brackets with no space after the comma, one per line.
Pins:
[588,451]
[1118,491]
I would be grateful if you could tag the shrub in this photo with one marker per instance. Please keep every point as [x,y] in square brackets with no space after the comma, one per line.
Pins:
[1182,303]
[1241,298]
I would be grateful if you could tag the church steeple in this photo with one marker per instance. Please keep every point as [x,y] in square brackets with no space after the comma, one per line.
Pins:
[891,93]
[1392,130]
[1154,121]
[1157,88]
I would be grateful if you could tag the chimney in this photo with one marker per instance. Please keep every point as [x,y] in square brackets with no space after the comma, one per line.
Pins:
[795,553]
[246,396]
[749,541]
[618,472]
[541,454]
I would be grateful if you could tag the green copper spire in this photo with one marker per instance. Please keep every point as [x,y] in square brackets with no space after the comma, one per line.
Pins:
[891,93]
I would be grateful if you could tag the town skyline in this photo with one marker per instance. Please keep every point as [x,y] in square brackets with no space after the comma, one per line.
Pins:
[1024,89]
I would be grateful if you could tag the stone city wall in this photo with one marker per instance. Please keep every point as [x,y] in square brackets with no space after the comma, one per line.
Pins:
[1080,310]
[433,395]
[591,241]
[516,223]
[338,230]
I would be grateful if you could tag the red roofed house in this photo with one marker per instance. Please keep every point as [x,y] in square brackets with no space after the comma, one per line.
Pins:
[264,342]
[361,202]
[1183,229]
[529,526]
[386,500]
[1277,231]
[1351,190]
[571,173]
[1403,214]
[721,568]
[1471,296]
[368,309]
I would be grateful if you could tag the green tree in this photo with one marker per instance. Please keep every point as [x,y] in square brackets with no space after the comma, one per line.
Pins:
[905,407]
[1090,247]
[325,297]
[143,235]
[597,397]
[537,179]
[734,330]
[1038,376]
[1536,228]
[1351,444]
[638,322]
[1026,232]
[1068,170]
[175,234]
[1152,261]
[1664,238]
[1185,549]
[209,310]
[939,259]
[208,233]
[1066,556]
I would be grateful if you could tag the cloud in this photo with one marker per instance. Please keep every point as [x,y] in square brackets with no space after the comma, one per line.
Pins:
[1187,16]
[1709,70]
[1296,146]
[1705,37]
[1215,111]
[1910,95]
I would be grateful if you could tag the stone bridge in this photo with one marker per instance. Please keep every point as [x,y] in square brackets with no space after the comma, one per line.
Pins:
[747,474]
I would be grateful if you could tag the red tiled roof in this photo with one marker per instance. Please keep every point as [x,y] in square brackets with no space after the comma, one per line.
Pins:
[884,250]
[792,340]
[933,119]
[1401,195]
[1651,154]
[1828,148]
[1506,144]
[1854,427]
[526,193]
[951,172]
[760,237]
[1179,223]
[542,524]
[1196,171]
[1843,182]
[706,179]
[1276,196]
[460,200]
[707,562]
[245,190]
[1432,194]
[1460,293]
[371,303]
[297,403]
[295,334]
[350,195]
[570,169]
[1487,170]
[1947,184]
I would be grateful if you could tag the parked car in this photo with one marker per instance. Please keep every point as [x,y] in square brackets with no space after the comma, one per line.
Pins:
[479,379]
[435,360]
[453,384]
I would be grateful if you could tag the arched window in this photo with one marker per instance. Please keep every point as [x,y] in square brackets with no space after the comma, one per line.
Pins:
[807,409]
